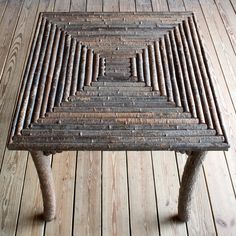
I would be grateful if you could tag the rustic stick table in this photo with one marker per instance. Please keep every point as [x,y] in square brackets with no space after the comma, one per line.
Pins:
[117,81]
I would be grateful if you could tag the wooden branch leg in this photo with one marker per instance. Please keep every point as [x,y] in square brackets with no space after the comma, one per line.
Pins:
[43,167]
[191,169]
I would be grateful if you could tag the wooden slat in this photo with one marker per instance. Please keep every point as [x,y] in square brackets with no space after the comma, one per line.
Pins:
[221,193]
[176,5]
[110,6]
[7,26]
[221,42]
[11,179]
[143,5]
[159,5]
[115,209]
[167,189]
[62,6]
[45,6]
[3,4]
[127,5]
[63,169]
[87,208]
[201,221]
[233,2]
[13,69]
[78,5]
[228,17]
[143,212]
[94,6]
[30,217]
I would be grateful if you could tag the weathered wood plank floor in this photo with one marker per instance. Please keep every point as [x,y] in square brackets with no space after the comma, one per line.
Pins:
[118,193]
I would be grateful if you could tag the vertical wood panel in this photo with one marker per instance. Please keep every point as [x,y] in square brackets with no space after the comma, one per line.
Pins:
[87,211]
[3,5]
[228,17]
[221,193]
[127,5]
[111,6]
[143,214]
[159,5]
[78,5]
[233,2]
[30,218]
[14,66]
[62,5]
[115,210]
[11,179]
[221,42]
[94,6]
[176,5]
[8,26]
[143,5]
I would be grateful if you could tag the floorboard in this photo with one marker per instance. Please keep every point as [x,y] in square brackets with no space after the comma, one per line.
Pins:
[88,197]
[78,5]
[222,197]
[30,215]
[94,6]
[3,5]
[233,3]
[115,205]
[12,180]
[7,26]
[10,81]
[227,14]
[110,6]
[127,5]
[143,206]
[143,5]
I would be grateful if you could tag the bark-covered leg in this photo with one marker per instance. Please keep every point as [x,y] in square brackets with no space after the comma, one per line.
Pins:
[191,169]
[43,167]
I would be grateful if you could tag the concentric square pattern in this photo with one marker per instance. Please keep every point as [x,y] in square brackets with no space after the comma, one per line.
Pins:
[117,81]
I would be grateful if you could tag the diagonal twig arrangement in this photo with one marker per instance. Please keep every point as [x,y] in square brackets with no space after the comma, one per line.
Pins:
[118,81]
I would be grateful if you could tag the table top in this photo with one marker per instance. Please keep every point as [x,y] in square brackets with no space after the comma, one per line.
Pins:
[117,81]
